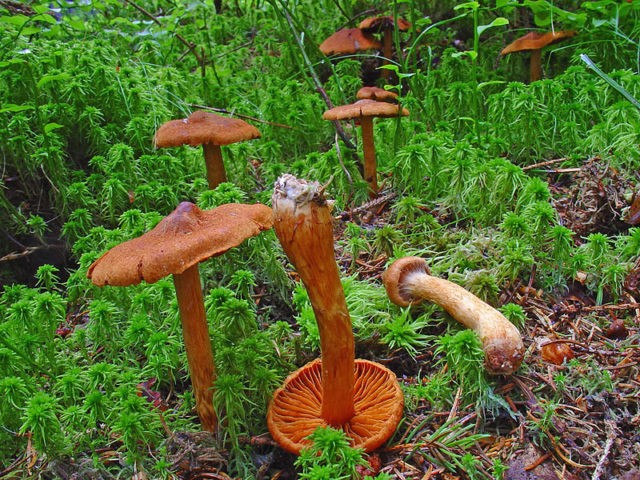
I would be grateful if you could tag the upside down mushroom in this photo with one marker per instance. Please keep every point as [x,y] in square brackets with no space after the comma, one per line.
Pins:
[360,397]
[175,246]
[408,281]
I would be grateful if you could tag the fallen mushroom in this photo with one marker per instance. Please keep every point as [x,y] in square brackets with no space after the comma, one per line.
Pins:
[384,25]
[360,397]
[348,41]
[175,246]
[365,110]
[535,42]
[209,130]
[407,281]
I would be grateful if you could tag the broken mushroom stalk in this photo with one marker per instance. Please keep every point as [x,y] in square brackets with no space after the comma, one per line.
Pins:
[408,282]
[360,397]
[175,246]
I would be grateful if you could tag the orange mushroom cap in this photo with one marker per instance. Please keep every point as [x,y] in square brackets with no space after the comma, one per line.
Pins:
[204,127]
[185,237]
[294,413]
[349,40]
[365,108]
[377,93]
[536,41]
[385,22]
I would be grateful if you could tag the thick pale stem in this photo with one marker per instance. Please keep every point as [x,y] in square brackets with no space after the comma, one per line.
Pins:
[535,65]
[197,344]
[501,340]
[369,154]
[216,173]
[304,227]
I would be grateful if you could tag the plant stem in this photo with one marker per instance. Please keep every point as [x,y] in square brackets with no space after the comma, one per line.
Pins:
[316,80]
[303,224]
[197,343]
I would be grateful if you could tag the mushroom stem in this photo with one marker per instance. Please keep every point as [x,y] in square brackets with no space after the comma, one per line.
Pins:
[535,65]
[369,154]
[304,227]
[408,281]
[215,166]
[197,343]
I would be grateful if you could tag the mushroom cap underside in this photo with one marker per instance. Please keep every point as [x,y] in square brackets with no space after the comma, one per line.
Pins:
[185,237]
[394,279]
[204,127]
[365,108]
[349,40]
[536,41]
[294,412]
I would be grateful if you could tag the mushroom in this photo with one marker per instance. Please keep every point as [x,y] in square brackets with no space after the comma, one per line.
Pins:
[408,282]
[535,42]
[349,40]
[378,94]
[175,246]
[384,25]
[360,397]
[209,130]
[365,110]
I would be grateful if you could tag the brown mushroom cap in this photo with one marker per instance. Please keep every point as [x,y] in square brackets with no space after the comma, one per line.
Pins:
[185,237]
[349,40]
[377,93]
[536,41]
[365,108]
[394,279]
[204,127]
[377,24]
[294,413]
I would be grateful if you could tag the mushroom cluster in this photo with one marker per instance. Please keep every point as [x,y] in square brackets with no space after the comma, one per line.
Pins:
[360,397]
[353,40]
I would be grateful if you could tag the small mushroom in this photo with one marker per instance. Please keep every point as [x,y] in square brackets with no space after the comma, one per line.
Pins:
[209,130]
[407,281]
[175,246]
[347,41]
[385,25]
[378,94]
[364,111]
[535,42]
[360,397]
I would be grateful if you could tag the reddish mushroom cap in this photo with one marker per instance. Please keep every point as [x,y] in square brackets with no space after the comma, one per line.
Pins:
[185,237]
[349,40]
[204,127]
[385,22]
[536,41]
[365,108]
[294,413]
[377,93]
